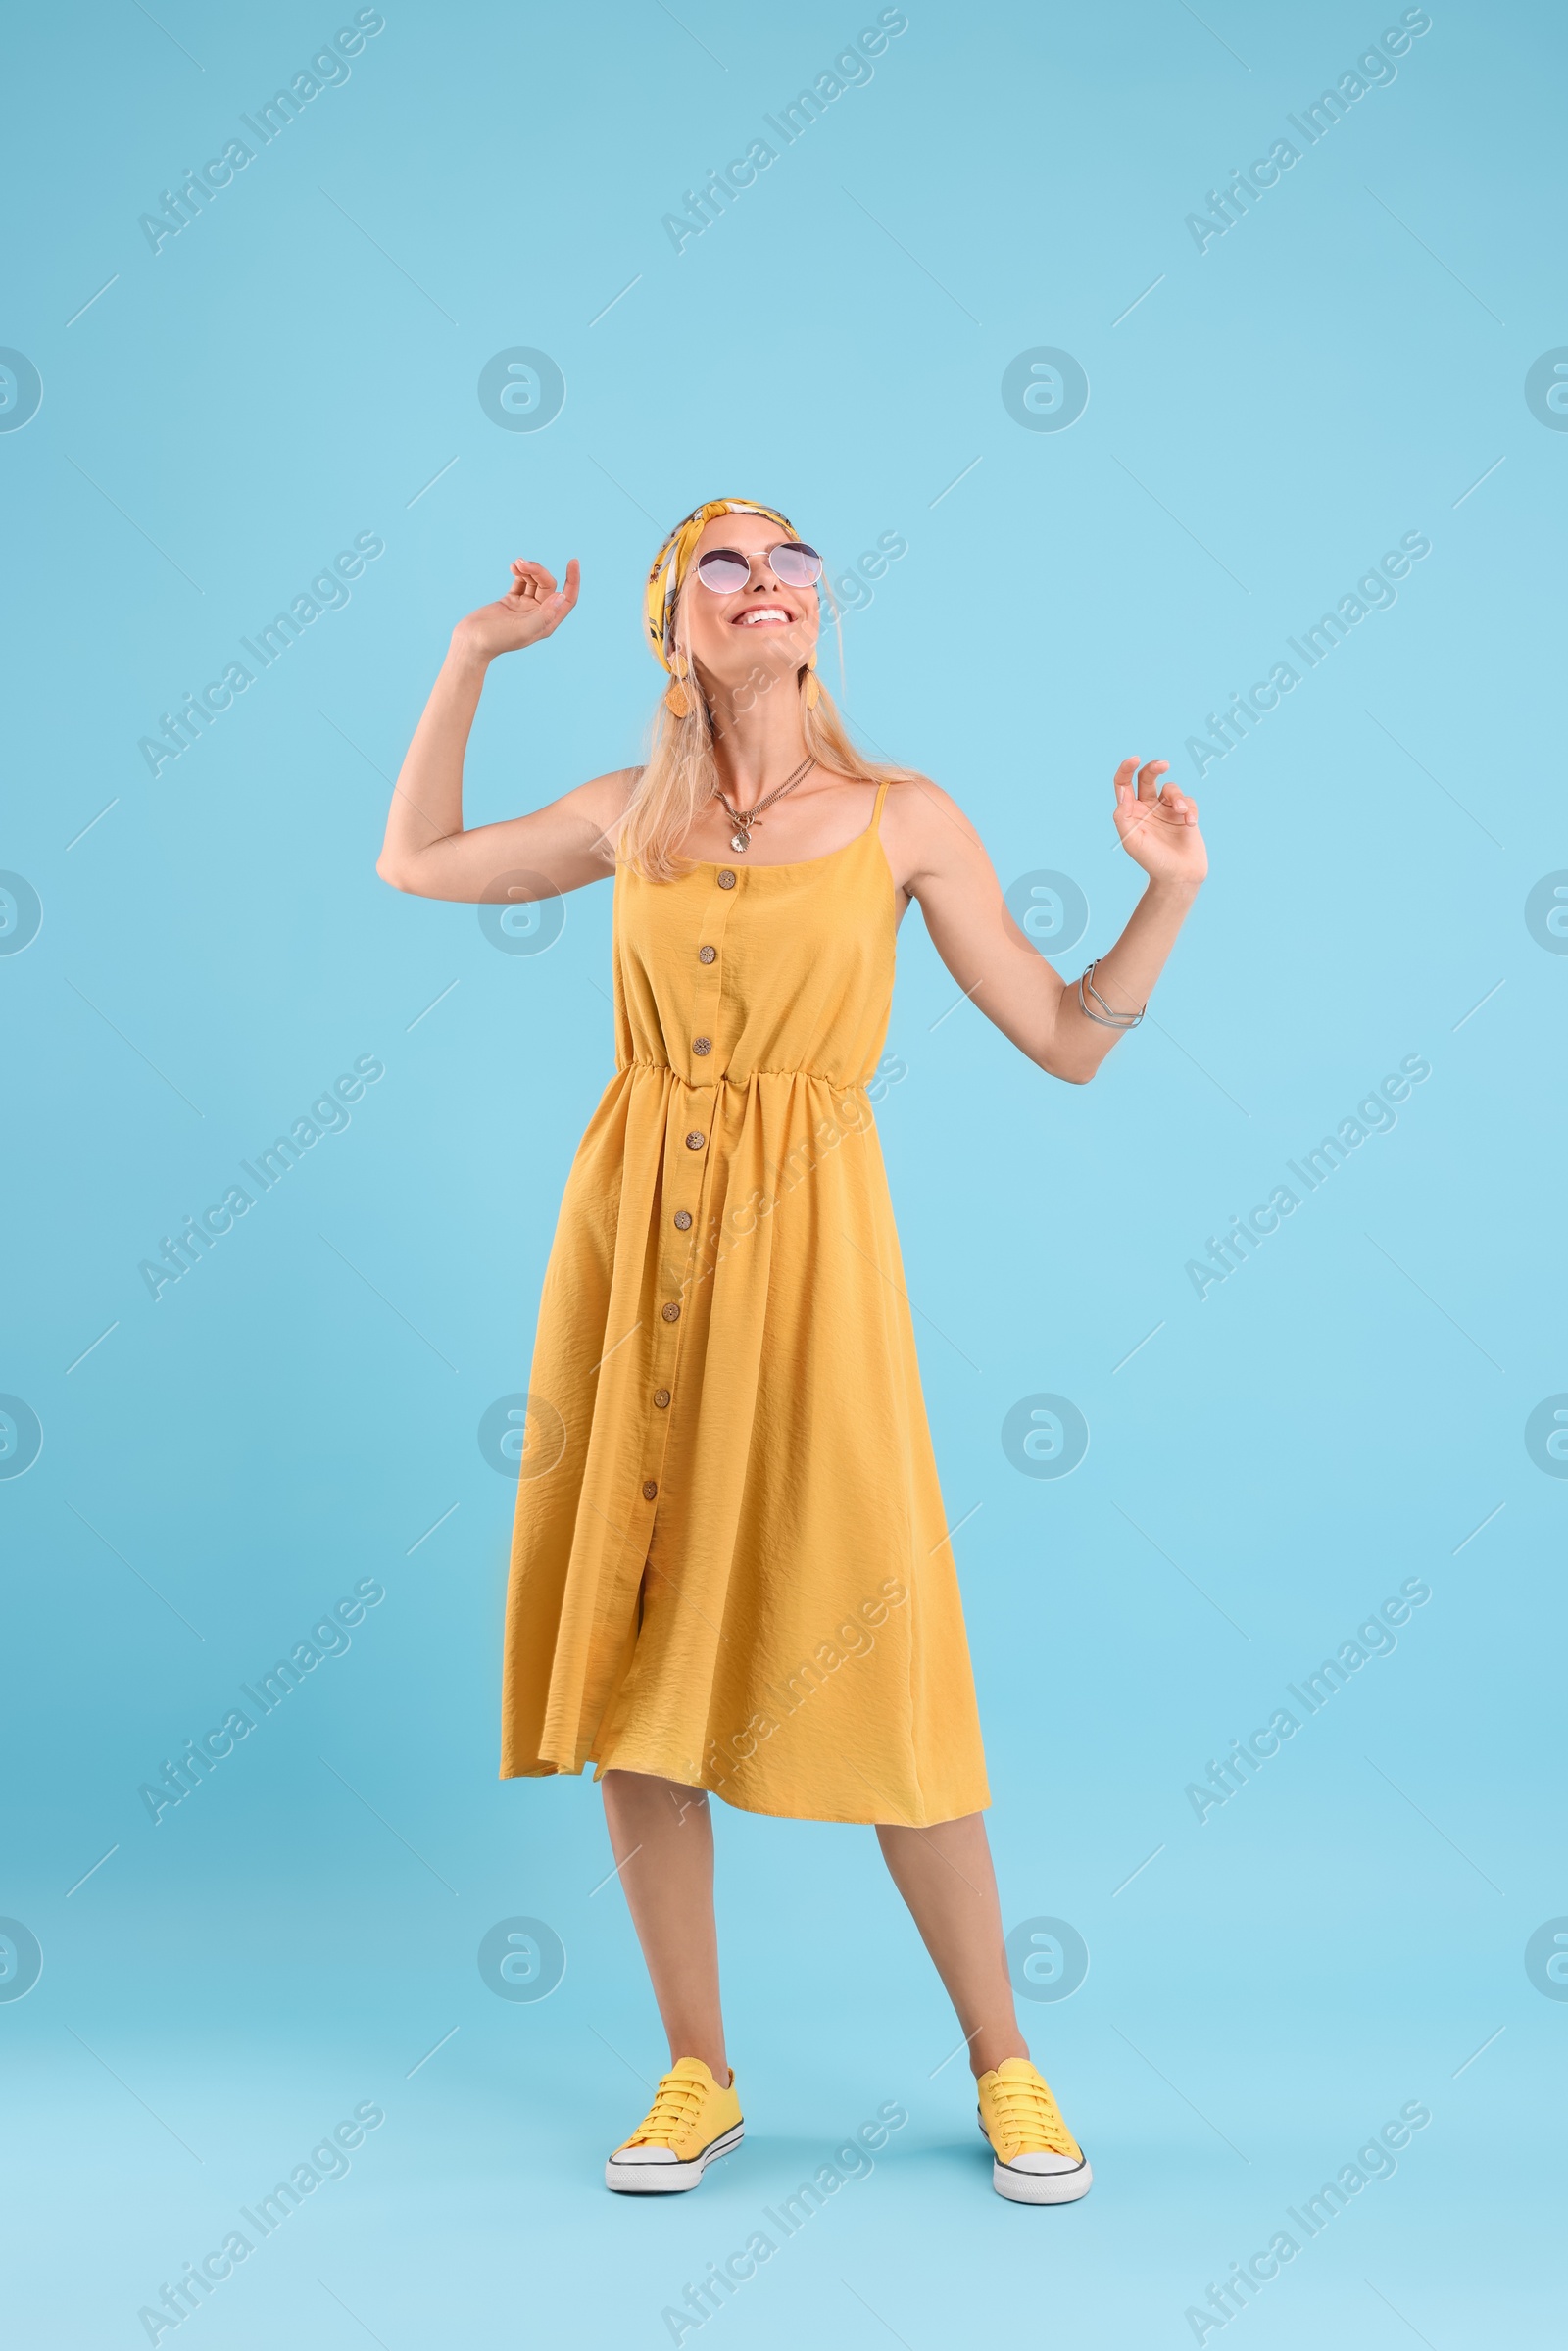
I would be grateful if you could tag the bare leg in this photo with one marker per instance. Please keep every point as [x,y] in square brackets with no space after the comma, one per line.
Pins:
[946,1876]
[661,1835]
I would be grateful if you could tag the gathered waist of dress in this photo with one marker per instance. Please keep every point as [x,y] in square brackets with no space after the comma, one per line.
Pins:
[719,1077]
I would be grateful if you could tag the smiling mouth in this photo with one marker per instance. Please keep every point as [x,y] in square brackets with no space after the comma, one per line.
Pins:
[766,615]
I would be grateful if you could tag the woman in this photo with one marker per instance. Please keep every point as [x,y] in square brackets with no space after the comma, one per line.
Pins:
[731,1571]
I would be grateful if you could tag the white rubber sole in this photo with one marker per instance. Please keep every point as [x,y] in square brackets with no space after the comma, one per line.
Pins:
[1039,2187]
[670,2178]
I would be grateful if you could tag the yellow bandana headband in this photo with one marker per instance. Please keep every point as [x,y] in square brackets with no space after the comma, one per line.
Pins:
[673,560]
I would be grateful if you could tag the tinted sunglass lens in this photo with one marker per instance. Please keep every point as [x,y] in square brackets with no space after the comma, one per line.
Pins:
[796,564]
[724,570]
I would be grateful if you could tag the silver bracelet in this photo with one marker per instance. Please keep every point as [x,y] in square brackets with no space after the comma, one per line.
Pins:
[1106,1017]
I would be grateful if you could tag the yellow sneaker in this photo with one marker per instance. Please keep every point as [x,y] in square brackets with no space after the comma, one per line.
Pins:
[1038,2161]
[690,2123]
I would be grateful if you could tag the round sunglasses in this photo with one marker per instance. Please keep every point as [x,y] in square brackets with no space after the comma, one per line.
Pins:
[792,563]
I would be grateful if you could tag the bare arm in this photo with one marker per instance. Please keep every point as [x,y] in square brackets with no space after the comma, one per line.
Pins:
[426,849]
[946,867]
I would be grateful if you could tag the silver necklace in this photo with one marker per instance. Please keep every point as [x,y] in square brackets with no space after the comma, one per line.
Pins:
[740,839]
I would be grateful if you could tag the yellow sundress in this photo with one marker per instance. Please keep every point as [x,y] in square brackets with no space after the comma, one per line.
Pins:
[730,1563]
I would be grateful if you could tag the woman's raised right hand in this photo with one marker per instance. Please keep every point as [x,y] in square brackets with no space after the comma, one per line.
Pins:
[532,608]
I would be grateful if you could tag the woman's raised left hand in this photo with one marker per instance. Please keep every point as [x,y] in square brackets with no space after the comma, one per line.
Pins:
[1159,824]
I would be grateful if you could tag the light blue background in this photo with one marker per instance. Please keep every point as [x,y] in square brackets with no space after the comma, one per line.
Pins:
[295,368]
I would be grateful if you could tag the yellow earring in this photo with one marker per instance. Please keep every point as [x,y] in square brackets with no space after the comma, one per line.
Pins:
[677,702]
[813,684]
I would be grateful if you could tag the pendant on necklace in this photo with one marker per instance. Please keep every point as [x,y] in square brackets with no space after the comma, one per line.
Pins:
[739,842]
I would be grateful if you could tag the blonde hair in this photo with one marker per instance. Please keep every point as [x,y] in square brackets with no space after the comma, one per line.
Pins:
[682,774]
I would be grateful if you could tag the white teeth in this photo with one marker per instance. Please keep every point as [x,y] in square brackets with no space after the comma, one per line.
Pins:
[761,619]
